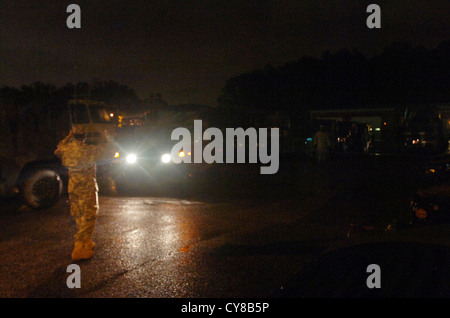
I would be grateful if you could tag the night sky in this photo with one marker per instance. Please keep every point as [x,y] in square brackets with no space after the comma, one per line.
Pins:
[187,49]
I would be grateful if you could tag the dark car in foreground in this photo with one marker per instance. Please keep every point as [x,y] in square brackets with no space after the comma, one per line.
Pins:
[432,201]
[432,204]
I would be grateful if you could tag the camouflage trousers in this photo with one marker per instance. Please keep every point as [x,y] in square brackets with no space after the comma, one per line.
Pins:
[84,208]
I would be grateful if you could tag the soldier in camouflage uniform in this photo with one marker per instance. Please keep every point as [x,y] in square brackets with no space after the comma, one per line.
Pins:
[80,158]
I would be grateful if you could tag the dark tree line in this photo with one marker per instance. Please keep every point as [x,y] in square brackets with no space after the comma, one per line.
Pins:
[45,99]
[345,79]
[40,107]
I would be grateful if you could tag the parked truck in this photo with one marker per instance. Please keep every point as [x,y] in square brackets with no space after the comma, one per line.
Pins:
[28,167]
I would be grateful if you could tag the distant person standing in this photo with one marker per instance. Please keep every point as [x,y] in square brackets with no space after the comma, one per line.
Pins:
[321,144]
[80,158]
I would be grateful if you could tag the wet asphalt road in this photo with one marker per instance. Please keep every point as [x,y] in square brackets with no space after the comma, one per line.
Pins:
[150,246]
[242,236]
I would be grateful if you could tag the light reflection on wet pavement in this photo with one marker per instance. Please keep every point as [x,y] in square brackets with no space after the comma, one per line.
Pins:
[151,246]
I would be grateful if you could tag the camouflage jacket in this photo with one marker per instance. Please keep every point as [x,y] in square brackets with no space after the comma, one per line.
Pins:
[81,158]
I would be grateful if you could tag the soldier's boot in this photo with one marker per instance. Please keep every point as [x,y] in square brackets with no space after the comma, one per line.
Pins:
[81,251]
[89,244]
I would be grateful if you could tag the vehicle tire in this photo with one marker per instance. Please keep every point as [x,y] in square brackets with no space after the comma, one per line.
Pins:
[42,189]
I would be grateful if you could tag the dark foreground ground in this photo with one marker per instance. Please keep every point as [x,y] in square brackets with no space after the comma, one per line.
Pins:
[229,232]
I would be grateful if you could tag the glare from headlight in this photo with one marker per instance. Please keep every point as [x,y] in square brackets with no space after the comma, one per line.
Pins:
[131,158]
[166,158]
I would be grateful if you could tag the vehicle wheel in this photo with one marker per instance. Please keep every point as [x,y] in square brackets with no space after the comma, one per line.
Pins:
[42,189]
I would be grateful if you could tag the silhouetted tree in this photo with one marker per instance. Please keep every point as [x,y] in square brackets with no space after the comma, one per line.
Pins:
[345,79]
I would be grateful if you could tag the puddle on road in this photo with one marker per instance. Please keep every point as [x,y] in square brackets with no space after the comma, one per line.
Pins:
[171,201]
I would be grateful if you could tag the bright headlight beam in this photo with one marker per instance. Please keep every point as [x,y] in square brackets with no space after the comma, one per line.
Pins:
[166,158]
[131,158]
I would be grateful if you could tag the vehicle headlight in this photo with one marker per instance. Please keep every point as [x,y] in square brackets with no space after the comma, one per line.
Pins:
[166,158]
[131,158]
